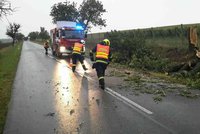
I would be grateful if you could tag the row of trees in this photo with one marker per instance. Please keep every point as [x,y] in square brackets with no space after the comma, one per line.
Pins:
[42,35]
[13,32]
[13,28]
[88,14]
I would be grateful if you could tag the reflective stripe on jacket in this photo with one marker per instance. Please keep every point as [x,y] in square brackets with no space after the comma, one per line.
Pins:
[102,51]
[77,48]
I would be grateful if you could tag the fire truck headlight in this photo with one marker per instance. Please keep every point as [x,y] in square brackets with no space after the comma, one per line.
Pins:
[62,49]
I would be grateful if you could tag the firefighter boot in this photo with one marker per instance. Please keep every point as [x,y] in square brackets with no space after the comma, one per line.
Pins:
[102,84]
[73,68]
[84,67]
[46,51]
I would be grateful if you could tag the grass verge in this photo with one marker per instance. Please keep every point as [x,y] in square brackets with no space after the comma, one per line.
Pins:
[9,58]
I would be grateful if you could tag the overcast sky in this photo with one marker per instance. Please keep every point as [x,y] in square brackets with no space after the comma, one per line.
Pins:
[120,15]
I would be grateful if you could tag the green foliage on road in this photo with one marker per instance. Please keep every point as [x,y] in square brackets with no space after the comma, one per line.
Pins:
[9,58]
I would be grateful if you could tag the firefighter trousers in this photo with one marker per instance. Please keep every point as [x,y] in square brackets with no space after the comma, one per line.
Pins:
[75,58]
[100,69]
[46,50]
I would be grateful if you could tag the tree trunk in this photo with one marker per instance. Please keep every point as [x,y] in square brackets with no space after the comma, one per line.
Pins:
[13,42]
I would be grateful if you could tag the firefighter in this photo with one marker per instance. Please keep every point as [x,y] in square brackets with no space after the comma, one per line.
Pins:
[78,54]
[46,46]
[101,54]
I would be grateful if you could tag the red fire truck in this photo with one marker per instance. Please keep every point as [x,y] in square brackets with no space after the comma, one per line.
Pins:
[64,36]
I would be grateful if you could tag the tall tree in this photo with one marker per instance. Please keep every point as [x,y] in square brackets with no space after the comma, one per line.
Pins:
[5,7]
[64,11]
[43,34]
[33,35]
[88,14]
[12,31]
[19,36]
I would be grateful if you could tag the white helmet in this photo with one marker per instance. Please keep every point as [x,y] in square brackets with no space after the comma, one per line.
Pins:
[82,41]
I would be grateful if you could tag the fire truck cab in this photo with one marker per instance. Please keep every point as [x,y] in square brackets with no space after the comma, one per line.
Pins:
[64,36]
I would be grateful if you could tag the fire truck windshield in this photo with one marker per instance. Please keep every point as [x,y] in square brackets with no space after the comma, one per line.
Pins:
[76,34]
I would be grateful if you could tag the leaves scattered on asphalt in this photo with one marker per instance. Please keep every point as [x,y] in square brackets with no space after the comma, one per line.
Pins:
[48,81]
[81,124]
[65,87]
[50,114]
[188,93]
[72,111]
[98,101]
[58,83]
[157,98]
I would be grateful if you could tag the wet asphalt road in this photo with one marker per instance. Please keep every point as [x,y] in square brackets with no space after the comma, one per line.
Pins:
[48,98]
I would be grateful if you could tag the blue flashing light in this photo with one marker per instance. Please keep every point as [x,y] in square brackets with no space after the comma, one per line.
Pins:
[78,27]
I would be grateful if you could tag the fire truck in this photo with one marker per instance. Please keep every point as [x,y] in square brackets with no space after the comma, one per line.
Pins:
[64,36]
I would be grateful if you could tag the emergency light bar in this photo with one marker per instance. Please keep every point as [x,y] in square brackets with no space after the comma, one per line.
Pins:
[78,27]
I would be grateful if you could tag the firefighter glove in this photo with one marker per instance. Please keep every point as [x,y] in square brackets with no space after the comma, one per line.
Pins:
[94,66]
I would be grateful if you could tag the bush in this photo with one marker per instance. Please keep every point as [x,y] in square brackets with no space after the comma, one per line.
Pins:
[125,44]
[129,48]
[119,58]
[149,63]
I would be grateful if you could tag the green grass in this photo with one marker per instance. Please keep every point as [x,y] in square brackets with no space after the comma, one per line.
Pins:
[9,58]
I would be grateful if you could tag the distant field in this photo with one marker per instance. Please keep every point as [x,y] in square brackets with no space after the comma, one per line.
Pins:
[5,43]
[167,36]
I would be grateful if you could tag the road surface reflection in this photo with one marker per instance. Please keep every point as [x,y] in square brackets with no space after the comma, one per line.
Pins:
[78,103]
[66,92]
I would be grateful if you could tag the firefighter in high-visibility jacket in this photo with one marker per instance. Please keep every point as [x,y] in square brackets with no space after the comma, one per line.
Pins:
[46,46]
[101,54]
[78,54]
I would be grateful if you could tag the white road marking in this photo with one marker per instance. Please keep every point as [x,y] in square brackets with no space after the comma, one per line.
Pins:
[126,100]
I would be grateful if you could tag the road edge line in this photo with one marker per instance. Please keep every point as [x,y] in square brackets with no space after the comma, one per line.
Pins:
[115,94]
